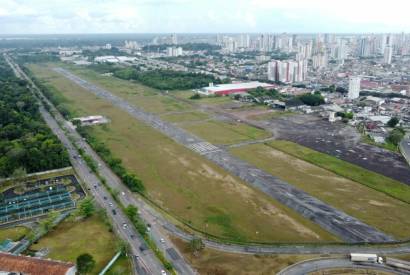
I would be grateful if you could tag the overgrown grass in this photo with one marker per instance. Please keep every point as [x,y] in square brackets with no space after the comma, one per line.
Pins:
[72,238]
[14,233]
[121,266]
[353,198]
[183,183]
[356,173]
[218,132]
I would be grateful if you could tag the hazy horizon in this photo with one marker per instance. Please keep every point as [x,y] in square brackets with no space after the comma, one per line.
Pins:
[27,17]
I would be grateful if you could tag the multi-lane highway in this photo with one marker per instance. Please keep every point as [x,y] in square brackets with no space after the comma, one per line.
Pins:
[145,261]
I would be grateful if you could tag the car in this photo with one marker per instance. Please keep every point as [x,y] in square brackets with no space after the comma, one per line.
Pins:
[124,225]
[163,272]
[111,204]
[162,240]
[114,212]
[105,198]
[123,193]
[132,236]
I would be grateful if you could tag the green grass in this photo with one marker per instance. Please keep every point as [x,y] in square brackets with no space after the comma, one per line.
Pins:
[73,238]
[149,99]
[120,267]
[388,146]
[185,117]
[372,207]
[356,173]
[184,183]
[218,132]
[14,233]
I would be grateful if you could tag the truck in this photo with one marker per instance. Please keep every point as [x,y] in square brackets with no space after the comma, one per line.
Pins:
[365,258]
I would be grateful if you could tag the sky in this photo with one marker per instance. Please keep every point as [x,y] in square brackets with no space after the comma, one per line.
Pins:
[203,16]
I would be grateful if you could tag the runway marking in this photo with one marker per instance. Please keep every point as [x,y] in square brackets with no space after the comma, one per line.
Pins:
[203,147]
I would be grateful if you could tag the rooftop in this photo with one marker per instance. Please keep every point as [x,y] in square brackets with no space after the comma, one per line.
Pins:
[33,266]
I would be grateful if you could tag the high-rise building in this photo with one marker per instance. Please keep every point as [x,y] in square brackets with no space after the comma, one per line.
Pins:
[354,87]
[288,71]
[174,51]
[319,61]
[388,53]
[341,50]
[364,47]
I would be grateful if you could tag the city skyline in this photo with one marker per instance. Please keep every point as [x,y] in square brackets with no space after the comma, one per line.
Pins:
[184,16]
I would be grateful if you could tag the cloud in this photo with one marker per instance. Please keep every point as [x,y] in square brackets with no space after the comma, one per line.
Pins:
[65,16]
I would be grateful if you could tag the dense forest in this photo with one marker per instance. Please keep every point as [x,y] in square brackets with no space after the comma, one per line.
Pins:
[167,79]
[26,143]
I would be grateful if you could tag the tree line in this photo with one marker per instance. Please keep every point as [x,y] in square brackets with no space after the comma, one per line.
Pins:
[167,79]
[26,143]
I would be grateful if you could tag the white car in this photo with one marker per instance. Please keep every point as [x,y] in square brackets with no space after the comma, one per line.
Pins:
[162,240]
[163,272]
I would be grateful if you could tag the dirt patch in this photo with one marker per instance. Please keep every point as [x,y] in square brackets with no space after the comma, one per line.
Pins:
[378,203]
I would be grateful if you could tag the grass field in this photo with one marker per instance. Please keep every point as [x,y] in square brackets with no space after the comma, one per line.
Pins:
[215,262]
[190,116]
[14,233]
[149,99]
[372,207]
[73,238]
[170,109]
[225,133]
[209,100]
[185,184]
[371,179]
[120,267]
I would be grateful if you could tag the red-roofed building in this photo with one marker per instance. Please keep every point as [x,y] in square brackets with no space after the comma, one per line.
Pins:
[28,265]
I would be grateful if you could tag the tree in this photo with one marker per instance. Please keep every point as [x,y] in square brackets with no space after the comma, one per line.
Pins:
[85,263]
[312,100]
[196,245]
[393,122]
[86,208]
[19,174]
[133,182]
[131,211]
[48,223]
[396,135]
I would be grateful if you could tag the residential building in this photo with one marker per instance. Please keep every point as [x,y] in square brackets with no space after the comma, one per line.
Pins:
[354,87]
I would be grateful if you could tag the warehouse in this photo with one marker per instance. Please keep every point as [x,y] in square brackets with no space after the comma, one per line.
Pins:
[226,89]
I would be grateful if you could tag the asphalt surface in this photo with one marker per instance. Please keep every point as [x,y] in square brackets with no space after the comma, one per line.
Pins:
[341,141]
[346,227]
[160,223]
[145,262]
[323,264]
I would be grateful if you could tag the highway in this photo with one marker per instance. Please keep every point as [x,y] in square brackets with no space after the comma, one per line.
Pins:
[159,224]
[145,262]
[339,223]
[306,267]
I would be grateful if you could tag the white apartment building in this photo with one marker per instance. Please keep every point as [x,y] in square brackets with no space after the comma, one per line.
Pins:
[354,87]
